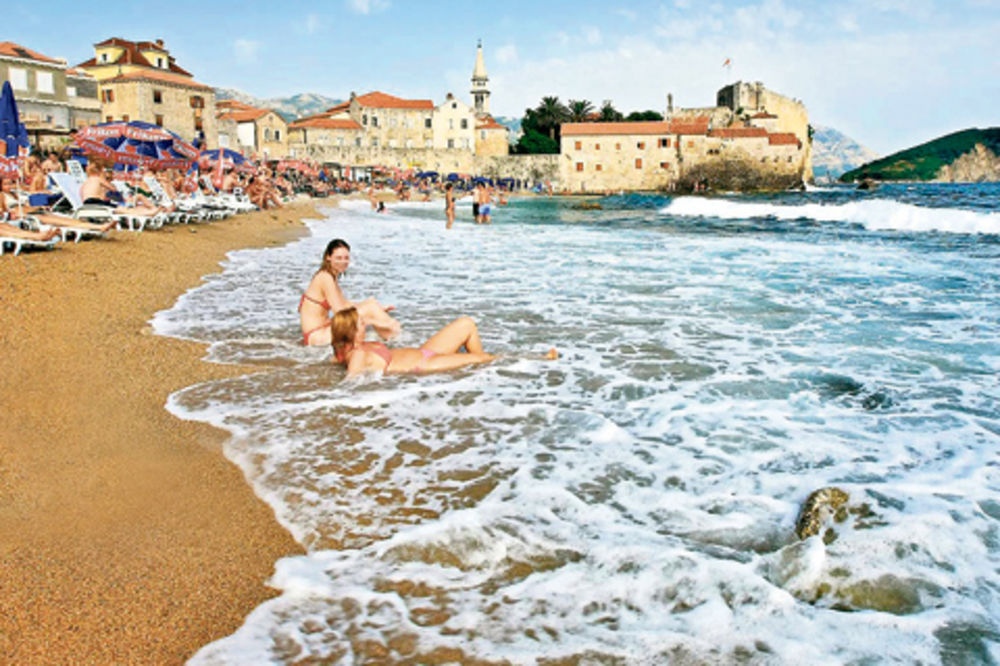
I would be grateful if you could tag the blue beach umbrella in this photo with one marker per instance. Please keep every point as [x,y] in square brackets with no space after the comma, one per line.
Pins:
[136,143]
[13,135]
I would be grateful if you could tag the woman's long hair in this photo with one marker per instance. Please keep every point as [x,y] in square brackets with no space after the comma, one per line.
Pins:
[343,330]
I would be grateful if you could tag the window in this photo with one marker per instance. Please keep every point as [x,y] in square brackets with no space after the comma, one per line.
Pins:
[454,105]
[599,167]
[357,142]
[267,134]
[18,78]
[277,135]
[374,121]
[223,141]
[198,124]
[71,91]
[465,123]
[43,82]
[641,145]
[578,145]
[158,119]
[691,144]
[451,123]
[427,122]
[340,141]
[482,134]
[104,57]
[451,143]
[374,142]
[579,166]
[364,119]
[107,95]
[638,163]
[125,118]
[159,63]
[618,146]
[197,102]
[157,97]
[110,119]
[789,159]
[664,143]
[664,165]
[597,146]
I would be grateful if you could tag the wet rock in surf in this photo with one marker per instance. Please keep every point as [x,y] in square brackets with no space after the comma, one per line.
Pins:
[819,507]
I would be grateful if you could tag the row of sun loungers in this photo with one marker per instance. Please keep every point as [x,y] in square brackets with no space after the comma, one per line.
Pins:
[72,218]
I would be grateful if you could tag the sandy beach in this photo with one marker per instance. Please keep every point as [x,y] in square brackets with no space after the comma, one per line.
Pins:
[125,535]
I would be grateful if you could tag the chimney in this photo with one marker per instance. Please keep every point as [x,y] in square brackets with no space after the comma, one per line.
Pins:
[353,95]
[670,104]
[159,42]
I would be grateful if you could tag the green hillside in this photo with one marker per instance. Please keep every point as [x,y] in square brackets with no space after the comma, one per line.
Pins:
[923,162]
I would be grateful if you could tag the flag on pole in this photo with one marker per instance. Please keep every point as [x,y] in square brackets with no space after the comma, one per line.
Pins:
[728,62]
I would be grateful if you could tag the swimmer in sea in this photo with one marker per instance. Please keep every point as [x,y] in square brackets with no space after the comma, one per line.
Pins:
[442,352]
[324,295]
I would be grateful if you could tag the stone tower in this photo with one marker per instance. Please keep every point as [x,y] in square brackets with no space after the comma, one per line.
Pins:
[480,91]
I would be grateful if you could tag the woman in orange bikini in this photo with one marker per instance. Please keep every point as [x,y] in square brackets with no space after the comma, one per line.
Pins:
[323,295]
[438,354]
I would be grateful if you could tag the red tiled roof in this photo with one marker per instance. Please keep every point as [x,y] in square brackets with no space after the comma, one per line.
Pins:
[763,114]
[232,105]
[739,133]
[72,71]
[343,106]
[322,122]
[381,100]
[158,76]
[783,139]
[640,127]
[17,51]
[489,122]
[132,56]
[694,126]
[244,115]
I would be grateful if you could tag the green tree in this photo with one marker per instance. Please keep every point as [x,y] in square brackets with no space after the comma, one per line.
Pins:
[533,142]
[579,109]
[609,113]
[644,115]
[550,113]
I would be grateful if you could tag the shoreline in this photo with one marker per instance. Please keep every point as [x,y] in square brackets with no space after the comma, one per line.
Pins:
[126,536]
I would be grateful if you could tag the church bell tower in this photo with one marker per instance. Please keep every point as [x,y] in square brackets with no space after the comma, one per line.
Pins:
[480,91]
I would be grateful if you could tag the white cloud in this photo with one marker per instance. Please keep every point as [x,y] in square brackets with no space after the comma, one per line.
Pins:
[506,54]
[627,14]
[246,50]
[367,6]
[313,23]
[592,35]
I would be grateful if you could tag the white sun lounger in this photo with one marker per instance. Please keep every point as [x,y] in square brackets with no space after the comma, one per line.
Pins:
[17,244]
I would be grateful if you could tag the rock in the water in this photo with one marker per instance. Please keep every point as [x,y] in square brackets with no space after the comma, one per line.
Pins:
[818,507]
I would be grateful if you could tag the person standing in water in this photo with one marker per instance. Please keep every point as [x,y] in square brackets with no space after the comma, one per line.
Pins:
[323,295]
[449,206]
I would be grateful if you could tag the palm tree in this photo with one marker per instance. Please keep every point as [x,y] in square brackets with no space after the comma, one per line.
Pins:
[609,113]
[550,113]
[579,109]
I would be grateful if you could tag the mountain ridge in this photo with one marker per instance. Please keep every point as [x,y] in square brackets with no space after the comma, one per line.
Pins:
[962,156]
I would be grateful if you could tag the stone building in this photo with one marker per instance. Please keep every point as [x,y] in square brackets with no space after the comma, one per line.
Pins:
[378,129]
[52,99]
[261,132]
[142,81]
[754,135]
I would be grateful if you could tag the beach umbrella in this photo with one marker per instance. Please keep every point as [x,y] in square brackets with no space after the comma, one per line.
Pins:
[13,135]
[136,143]
[224,157]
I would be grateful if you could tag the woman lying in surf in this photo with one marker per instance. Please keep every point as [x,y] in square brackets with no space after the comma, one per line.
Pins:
[323,295]
[442,352]
[438,354]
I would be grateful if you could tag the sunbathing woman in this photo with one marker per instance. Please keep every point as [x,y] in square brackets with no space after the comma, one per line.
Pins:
[323,295]
[438,354]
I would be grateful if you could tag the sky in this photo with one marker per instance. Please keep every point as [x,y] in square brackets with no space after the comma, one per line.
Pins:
[888,73]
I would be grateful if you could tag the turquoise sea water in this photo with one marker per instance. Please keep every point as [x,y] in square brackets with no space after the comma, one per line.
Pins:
[635,501]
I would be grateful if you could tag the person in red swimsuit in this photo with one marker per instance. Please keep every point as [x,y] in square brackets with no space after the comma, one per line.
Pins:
[439,354]
[323,295]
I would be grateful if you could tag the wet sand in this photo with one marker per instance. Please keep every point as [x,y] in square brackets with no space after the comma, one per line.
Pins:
[125,535]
